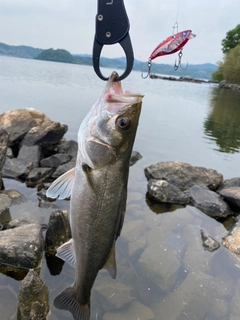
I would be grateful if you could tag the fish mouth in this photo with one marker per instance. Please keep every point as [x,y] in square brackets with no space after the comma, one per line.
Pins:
[115,98]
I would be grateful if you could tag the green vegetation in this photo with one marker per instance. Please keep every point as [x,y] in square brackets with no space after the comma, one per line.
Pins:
[58,55]
[19,51]
[229,69]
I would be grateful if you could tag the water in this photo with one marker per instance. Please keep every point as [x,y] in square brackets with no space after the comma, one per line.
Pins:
[195,123]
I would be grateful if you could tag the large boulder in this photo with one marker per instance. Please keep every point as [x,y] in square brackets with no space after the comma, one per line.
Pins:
[31,127]
[184,175]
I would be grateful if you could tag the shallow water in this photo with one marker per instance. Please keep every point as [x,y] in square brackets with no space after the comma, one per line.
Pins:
[160,258]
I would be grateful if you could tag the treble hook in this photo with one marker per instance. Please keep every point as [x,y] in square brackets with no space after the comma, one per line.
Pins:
[176,66]
[149,69]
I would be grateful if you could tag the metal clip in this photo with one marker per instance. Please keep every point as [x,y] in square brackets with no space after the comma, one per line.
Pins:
[112,26]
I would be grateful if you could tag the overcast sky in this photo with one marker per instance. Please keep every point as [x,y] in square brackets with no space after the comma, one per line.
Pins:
[70,25]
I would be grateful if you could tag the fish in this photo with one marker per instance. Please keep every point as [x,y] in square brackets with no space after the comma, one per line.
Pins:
[98,189]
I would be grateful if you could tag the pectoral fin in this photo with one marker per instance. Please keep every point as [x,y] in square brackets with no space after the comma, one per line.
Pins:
[66,252]
[110,265]
[62,187]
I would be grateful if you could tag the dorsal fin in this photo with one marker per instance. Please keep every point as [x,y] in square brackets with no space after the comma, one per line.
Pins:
[62,187]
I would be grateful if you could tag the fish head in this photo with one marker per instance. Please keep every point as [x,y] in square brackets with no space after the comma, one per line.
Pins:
[110,127]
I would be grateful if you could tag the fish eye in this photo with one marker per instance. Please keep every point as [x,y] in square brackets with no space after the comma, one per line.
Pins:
[123,123]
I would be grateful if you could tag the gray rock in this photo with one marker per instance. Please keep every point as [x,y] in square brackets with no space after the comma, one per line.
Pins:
[33,298]
[30,154]
[68,147]
[162,191]
[209,243]
[231,195]
[21,247]
[4,136]
[16,169]
[184,175]
[64,168]
[209,202]
[132,230]
[235,182]
[135,311]
[5,202]
[45,136]
[135,156]
[22,221]
[137,246]
[37,175]
[17,123]
[55,160]
[58,231]
[9,153]
[15,196]
[3,150]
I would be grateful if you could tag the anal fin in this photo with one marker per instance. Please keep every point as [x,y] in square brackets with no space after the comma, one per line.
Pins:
[111,265]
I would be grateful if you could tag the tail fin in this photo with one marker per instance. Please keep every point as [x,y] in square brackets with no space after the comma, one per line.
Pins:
[67,300]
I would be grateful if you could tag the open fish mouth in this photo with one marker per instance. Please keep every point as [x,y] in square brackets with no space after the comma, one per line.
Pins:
[114,92]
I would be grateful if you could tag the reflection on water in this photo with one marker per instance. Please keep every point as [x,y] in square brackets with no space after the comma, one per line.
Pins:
[223,122]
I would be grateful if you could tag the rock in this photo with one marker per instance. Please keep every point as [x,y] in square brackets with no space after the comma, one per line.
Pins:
[231,195]
[209,202]
[184,175]
[8,302]
[45,136]
[113,295]
[3,150]
[17,123]
[64,168]
[37,175]
[15,196]
[162,191]
[5,218]
[235,182]
[135,156]
[22,221]
[232,240]
[22,246]
[5,202]
[135,311]
[68,147]
[30,154]
[58,231]
[16,169]
[209,243]
[9,153]
[33,298]
[4,136]
[137,246]
[55,160]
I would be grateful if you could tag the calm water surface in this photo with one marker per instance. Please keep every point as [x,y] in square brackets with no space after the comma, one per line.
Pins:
[159,255]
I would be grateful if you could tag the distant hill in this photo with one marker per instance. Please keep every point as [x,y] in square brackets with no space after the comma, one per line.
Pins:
[201,71]
[19,51]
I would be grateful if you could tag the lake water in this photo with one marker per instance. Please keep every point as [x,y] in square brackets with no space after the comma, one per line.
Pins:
[194,123]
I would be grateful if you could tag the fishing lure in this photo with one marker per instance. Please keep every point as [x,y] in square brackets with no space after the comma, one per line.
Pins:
[172,44]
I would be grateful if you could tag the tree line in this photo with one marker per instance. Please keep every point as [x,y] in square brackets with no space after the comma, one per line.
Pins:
[229,69]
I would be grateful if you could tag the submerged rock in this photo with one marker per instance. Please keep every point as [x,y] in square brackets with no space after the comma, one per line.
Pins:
[8,302]
[184,175]
[162,191]
[33,298]
[209,243]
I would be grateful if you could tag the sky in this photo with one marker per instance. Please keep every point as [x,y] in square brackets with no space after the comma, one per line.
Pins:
[70,25]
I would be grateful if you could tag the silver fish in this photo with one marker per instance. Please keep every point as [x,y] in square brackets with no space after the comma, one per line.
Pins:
[98,189]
